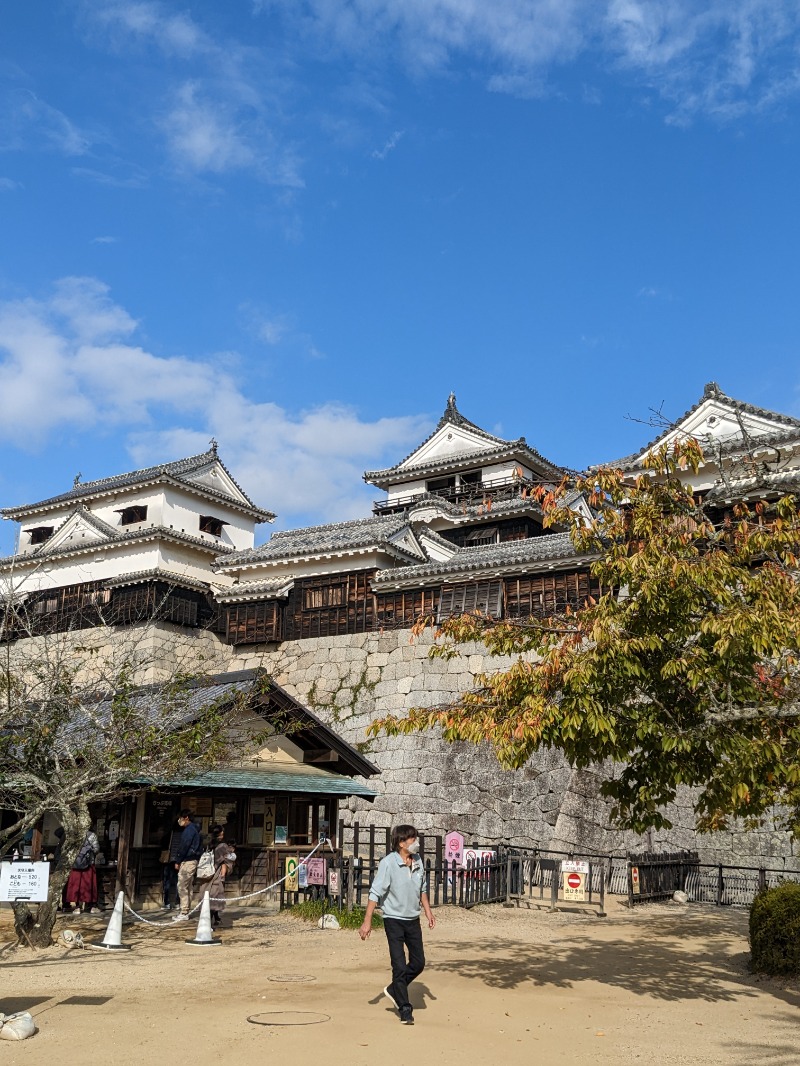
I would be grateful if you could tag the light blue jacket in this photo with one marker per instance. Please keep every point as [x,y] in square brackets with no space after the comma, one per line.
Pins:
[397,888]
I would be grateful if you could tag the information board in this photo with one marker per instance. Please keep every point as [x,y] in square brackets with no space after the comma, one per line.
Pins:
[454,848]
[24,880]
[292,880]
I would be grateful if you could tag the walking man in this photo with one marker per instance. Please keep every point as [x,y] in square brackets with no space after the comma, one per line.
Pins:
[189,851]
[399,890]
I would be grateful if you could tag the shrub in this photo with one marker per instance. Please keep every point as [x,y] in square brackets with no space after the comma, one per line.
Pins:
[775,930]
[310,910]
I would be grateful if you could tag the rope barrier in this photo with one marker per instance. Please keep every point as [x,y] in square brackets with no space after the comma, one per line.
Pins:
[222,899]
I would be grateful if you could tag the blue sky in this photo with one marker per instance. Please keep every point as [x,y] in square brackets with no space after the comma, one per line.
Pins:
[296,225]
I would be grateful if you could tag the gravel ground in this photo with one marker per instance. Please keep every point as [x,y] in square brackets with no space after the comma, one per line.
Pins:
[661,984]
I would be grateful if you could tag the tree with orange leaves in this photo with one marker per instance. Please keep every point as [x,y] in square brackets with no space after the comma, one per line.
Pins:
[683,672]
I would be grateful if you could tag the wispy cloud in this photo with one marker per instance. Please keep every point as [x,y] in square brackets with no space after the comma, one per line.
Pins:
[9,185]
[215,109]
[27,121]
[128,177]
[104,240]
[79,344]
[274,329]
[712,57]
[389,146]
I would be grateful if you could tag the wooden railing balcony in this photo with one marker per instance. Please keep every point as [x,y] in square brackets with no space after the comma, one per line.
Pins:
[470,495]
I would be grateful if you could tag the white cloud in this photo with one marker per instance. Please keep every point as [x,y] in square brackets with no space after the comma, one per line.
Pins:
[389,146]
[718,57]
[175,34]
[202,136]
[104,240]
[78,345]
[9,185]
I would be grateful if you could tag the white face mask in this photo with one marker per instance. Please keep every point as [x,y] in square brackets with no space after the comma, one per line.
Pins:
[413,847]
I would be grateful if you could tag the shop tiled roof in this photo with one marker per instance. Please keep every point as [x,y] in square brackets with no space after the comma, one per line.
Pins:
[177,470]
[288,544]
[319,782]
[712,391]
[511,554]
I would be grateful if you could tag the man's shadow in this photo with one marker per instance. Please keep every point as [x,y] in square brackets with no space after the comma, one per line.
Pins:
[418,995]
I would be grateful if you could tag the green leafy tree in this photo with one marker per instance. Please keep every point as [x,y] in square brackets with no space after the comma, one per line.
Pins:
[682,671]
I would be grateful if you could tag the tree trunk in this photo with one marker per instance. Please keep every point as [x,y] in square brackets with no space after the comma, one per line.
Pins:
[33,922]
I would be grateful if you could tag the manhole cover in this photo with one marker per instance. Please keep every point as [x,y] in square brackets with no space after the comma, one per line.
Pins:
[289,1017]
[290,978]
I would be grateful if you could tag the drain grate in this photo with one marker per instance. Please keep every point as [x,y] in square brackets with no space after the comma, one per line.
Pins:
[289,1017]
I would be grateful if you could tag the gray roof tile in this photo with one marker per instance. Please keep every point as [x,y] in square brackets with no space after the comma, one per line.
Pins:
[328,539]
[179,469]
[514,553]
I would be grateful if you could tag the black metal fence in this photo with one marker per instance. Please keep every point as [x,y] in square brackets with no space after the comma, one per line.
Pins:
[536,875]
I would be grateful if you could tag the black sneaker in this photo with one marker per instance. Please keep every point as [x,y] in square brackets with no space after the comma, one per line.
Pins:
[391,998]
[407,1016]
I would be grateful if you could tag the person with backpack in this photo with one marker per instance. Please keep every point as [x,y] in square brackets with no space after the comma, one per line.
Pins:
[189,851]
[224,858]
[81,891]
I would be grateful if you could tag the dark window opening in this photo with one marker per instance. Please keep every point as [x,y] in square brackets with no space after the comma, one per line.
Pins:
[48,605]
[474,477]
[129,515]
[40,534]
[328,596]
[209,524]
[440,484]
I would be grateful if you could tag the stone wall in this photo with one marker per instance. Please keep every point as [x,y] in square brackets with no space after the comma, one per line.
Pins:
[350,680]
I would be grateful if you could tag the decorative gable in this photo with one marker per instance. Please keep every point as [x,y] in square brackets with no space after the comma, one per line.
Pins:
[217,478]
[449,441]
[80,527]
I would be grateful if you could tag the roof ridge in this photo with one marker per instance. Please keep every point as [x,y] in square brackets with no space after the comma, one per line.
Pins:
[711,391]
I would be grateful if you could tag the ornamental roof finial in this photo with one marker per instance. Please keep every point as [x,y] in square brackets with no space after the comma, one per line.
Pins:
[212,444]
[76,480]
[451,402]
[711,389]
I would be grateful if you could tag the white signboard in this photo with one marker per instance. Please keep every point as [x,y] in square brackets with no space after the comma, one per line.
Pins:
[575,874]
[24,880]
[477,855]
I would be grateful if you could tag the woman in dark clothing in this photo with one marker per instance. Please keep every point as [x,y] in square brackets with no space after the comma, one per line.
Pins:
[169,875]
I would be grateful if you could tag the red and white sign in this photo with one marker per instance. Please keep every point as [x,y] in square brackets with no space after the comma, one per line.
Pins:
[477,855]
[575,874]
[454,848]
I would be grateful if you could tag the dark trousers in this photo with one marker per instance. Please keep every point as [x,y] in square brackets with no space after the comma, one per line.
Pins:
[404,934]
[169,883]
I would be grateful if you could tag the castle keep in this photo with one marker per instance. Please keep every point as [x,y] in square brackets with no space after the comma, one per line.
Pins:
[327,610]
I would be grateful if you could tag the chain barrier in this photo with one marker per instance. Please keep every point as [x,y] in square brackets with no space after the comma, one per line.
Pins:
[222,899]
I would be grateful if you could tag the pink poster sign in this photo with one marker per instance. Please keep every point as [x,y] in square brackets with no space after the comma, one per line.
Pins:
[454,848]
[316,871]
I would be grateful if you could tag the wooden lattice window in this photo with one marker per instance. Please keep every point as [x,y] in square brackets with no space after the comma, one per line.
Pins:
[483,597]
[327,596]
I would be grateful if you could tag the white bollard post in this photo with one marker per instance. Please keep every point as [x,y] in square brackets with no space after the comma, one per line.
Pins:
[113,937]
[204,937]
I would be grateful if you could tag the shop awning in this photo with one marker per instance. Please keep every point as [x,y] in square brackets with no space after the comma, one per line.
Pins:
[268,781]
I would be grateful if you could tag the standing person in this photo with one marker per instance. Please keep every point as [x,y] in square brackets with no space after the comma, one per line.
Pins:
[81,890]
[224,858]
[189,851]
[170,842]
[399,890]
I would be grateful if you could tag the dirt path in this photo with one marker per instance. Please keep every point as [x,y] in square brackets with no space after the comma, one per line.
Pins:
[665,985]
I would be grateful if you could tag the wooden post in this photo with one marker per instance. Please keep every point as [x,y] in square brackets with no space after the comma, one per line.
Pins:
[356,829]
[371,847]
[720,886]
